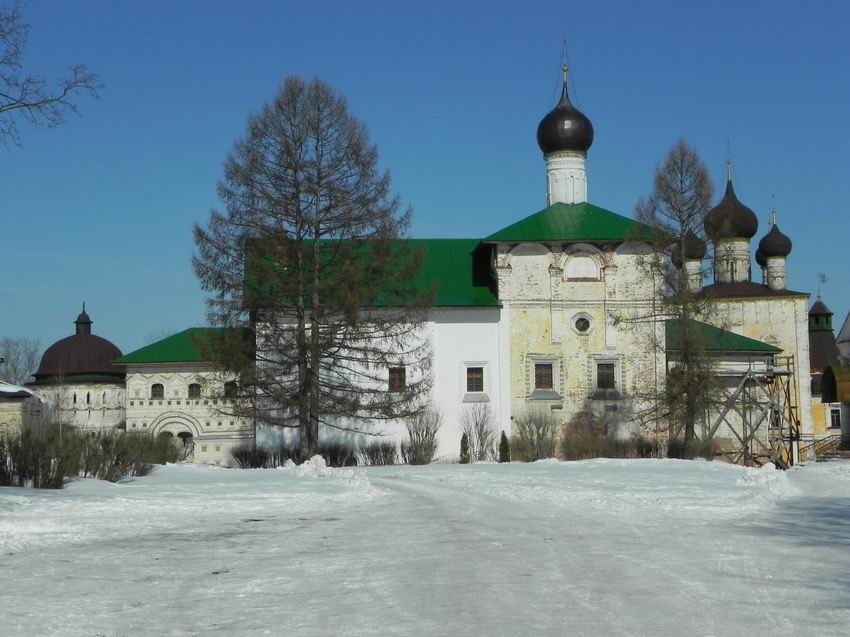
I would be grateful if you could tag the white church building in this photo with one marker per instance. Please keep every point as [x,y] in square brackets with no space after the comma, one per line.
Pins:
[530,316]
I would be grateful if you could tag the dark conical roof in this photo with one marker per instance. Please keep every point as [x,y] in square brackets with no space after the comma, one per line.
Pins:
[691,246]
[80,355]
[730,219]
[820,309]
[775,244]
[564,127]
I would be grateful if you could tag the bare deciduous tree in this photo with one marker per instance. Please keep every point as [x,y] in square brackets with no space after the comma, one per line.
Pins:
[28,97]
[676,209]
[478,423]
[22,357]
[306,261]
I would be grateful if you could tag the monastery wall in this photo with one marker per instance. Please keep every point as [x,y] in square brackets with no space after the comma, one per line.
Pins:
[213,432]
[89,406]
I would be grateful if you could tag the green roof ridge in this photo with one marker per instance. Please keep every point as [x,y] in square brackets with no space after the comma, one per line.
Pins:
[573,222]
[716,339]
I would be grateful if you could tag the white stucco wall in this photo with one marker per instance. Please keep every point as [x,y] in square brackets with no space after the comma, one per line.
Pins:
[467,337]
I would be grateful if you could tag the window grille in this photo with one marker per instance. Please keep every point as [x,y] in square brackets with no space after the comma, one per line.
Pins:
[397,379]
[157,391]
[605,376]
[835,419]
[474,379]
[544,376]
[194,390]
[230,389]
[582,324]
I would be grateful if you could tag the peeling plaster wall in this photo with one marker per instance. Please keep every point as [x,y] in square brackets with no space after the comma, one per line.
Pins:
[544,302]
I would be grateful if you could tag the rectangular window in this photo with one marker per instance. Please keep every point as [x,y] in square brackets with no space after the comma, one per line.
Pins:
[544,376]
[474,379]
[835,418]
[398,379]
[606,376]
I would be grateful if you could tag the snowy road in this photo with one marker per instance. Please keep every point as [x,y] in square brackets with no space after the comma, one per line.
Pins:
[587,548]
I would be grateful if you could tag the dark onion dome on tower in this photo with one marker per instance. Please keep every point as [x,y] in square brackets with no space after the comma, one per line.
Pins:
[82,357]
[760,258]
[730,219]
[775,244]
[565,128]
[692,246]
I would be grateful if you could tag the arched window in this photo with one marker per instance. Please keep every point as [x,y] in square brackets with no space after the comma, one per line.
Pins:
[103,399]
[157,391]
[88,398]
[230,389]
[75,398]
[194,390]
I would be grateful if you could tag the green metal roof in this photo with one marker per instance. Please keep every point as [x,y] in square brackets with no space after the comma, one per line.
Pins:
[182,347]
[573,222]
[714,339]
[448,268]
[457,271]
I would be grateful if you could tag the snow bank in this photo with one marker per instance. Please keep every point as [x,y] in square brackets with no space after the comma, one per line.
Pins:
[316,467]
[768,478]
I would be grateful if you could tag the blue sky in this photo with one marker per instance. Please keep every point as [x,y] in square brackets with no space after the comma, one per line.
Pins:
[101,208]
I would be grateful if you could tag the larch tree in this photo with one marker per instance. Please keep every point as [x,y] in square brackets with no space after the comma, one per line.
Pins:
[28,97]
[306,268]
[675,210]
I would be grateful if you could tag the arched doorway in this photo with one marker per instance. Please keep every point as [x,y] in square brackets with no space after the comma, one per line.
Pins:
[182,429]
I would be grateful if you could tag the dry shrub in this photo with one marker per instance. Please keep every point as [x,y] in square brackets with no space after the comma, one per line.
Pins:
[535,434]
[421,444]
[479,425]
[379,453]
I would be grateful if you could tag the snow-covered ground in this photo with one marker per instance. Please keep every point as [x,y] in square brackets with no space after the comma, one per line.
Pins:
[605,547]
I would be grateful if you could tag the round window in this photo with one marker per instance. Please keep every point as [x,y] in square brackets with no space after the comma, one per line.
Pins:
[582,324]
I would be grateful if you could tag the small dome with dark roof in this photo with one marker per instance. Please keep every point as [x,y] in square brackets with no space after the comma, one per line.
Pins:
[760,258]
[692,246]
[565,128]
[730,219]
[82,354]
[775,244]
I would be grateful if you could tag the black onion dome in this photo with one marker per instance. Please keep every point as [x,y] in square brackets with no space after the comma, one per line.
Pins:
[775,244]
[692,247]
[730,219]
[564,128]
[82,354]
[760,258]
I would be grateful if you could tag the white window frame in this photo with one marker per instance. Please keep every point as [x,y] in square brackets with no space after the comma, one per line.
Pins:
[618,380]
[544,394]
[475,396]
